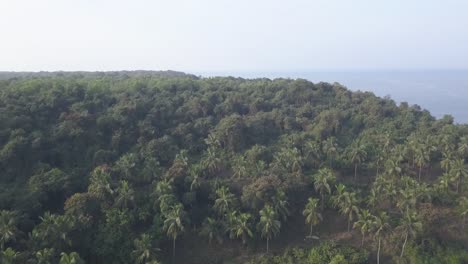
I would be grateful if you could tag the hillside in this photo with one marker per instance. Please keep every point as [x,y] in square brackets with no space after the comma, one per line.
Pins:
[133,167]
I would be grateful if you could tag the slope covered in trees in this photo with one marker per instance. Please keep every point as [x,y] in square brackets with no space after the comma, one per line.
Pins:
[143,167]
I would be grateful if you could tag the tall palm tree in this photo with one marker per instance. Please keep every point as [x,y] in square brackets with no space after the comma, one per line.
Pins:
[330,148]
[239,167]
[280,204]
[224,201]
[72,258]
[174,225]
[44,256]
[8,229]
[364,223]
[99,183]
[241,228]
[322,183]
[269,224]
[410,226]
[313,217]
[447,160]
[357,154]
[380,226]
[8,256]
[144,251]
[422,158]
[349,207]
[125,195]
[213,229]
[463,210]
[338,197]
[459,171]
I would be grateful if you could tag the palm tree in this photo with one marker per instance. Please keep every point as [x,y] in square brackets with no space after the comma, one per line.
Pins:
[422,158]
[174,225]
[99,183]
[410,226]
[463,210]
[8,256]
[313,217]
[357,154]
[280,204]
[392,167]
[322,182]
[463,146]
[211,160]
[380,226]
[239,167]
[364,223]
[44,256]
[349,207]
[224,201]
[269,225]
[144,251]
[125,195]
[213,229]
[330,148]
[458,172]
[72,258]
[8,230]
[447,159]
[338,197]
[241,228]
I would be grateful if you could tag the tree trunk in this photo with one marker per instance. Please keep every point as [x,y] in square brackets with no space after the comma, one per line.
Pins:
[420,168]
[404,244]
[362,240]
[349,224]
[322,205]
[378,252]
[355,171]
[173,250]
[268,245]
[458,184]
[311,227]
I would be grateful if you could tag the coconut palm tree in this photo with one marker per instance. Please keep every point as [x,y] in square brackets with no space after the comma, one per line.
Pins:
[241,228]
[349,207]
[224,201]
[322,183]
[174,225]
[364,223]
[280,204]
[212,229]
[380,226]
[410,226]
[99,183]
[313,217]
[8,229]
[125,195]
[463,210]
[422,158]
[338,197]
[8,256]
[45,256]
[269,224]
[72,258]
[144,251]
[447,160]
[357,154]
[330,148]
[458,171]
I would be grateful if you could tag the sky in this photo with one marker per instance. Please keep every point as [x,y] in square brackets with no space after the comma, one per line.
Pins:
[240,35]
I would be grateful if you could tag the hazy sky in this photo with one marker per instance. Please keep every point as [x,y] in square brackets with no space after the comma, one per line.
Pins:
[236,35]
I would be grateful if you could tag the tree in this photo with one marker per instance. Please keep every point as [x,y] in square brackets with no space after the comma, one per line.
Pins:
[338,197]
[349,208]
[8,230]
[144,251]
[422,158]
[280,204]
[364,223]
[45,256]
[322,182]
[224,201]
[212,229]
[8,256]
[72,258]
[462,209]
[330,148]
[174,225]
[99,183]
[357,154]
[410,226]
[125,195]
[241,227]
[458,171]
[379,227]
[269,225]
[313,217]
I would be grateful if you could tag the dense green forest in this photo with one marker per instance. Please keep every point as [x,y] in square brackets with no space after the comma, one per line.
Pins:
[164,167]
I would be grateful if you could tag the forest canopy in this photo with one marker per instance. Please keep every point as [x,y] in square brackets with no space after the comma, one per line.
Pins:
[161,167]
